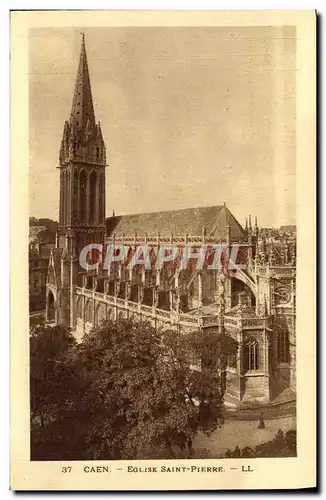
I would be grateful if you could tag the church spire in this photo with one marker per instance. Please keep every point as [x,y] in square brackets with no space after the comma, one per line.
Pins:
[82,110]
[82,161]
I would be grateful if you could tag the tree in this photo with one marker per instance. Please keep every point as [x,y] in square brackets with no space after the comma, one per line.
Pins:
[145,396]
[280,446]
[49,371]
[128,391]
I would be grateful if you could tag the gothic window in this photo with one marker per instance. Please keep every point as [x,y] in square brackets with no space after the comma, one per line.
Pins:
[251,359]
[66,190]
[101,203]
[63,198]
[93,189]
[68,197]
[97,153]
[283,345]
[76,196]
[83,190]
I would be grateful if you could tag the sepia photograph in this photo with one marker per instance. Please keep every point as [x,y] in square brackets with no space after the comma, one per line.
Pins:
[163,246]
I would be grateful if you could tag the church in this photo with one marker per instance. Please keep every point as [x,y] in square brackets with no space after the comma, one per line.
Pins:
[255,304]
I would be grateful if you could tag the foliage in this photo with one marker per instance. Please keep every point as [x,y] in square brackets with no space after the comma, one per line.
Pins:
[50,224]
[281,446]
[50,374]
[37,301]
[130,392]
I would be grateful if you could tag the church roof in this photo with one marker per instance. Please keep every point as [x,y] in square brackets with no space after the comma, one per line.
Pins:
[192,221]
[82,110]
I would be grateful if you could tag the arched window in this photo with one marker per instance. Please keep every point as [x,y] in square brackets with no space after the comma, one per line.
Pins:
[251,359]
[83,190]
[75,208]
[93,197]
[100,197]
[64,196]
[68,197]
[283,345]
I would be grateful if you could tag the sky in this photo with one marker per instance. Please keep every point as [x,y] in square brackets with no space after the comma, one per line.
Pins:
[191,116]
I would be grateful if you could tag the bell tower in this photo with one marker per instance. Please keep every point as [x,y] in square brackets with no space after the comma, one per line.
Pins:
[82,163]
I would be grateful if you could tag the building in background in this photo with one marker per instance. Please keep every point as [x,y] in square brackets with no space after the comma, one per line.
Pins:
[41,242]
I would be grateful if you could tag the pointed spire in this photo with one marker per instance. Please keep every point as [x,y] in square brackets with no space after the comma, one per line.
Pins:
[256,227]
[82,108]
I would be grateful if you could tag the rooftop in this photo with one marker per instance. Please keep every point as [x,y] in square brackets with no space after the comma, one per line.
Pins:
[192,221]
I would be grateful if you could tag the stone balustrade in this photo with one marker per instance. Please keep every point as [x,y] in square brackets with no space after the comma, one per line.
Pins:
[171,317]
[245,323]
[230,321]
[168,239]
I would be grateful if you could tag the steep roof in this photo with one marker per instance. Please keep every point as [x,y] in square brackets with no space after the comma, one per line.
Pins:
[82,110]
[214,219]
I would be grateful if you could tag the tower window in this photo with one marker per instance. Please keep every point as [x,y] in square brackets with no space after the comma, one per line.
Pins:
[283,345]
[82,205]
[97,152]
[93,197]
[251,359]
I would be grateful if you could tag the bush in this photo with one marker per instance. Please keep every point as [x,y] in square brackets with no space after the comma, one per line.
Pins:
[280,446]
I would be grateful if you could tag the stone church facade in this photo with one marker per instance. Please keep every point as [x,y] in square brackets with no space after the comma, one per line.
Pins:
[255,305]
